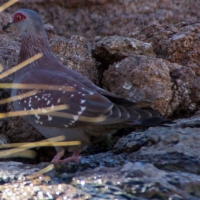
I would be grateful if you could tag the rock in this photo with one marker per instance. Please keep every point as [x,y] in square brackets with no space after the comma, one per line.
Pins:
[17,130]
[141,78]
[139,181]
[108,50]
[8,54]
[178,43]
[171,148]
[90,18]
[75,54]
[186,90]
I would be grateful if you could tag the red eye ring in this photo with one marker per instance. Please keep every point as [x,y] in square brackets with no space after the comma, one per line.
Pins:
[18,17]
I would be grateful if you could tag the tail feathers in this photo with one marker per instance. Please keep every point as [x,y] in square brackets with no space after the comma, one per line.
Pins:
[156,122]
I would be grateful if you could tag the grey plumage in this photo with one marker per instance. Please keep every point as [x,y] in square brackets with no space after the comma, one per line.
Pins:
[86,101]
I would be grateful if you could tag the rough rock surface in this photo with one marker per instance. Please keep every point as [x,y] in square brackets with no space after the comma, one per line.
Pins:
[178,43]
[76,55]
[141,78]
[172,148]
[160,163]
[90,18]
[108,50]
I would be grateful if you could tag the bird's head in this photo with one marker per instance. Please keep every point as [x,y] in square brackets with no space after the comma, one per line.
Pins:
[25,21]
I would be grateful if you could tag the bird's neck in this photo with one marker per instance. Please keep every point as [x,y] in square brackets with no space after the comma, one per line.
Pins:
[31,44]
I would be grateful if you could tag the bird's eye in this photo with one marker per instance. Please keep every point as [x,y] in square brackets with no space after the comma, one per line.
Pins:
[19,17]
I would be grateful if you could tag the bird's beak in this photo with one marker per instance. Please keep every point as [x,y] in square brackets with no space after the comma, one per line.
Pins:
[9,24]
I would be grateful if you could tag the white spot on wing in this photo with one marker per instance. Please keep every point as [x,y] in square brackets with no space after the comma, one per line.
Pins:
[83,108]
[37,116]
[82,101]
[80,112]
[48,102]
[50,118]
[38,122]
[75,117]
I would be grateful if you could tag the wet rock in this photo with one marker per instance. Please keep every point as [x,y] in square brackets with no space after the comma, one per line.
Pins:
[141,78]
[137,181]
[108,50]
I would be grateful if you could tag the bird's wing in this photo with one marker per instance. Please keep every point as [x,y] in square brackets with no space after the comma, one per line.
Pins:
[83,105]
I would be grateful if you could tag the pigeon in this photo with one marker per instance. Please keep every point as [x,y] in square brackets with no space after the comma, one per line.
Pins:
[90,113]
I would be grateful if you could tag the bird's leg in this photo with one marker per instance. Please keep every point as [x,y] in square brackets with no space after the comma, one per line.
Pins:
[58,156]
[74,158]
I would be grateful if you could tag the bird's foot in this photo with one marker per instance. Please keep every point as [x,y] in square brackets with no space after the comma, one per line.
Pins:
[74,158]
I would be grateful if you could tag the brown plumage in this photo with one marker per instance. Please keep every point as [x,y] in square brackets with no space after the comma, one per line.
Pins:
[92,112]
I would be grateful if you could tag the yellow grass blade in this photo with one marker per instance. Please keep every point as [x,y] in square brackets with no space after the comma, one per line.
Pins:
[21,65]
[40,144]
[10,152]
[22,154]
[80,118]
[41,172]
[33,112]
[1,67]
[8,4]
[36,86]
[17,97]
[22,147]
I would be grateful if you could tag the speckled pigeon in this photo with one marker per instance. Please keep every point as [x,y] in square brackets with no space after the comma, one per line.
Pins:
[86,101]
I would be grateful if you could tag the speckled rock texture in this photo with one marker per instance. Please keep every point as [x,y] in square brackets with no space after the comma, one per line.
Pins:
[90,18]
[178,43]
[76,55]
[141,78]
[108,50]
[138,181]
